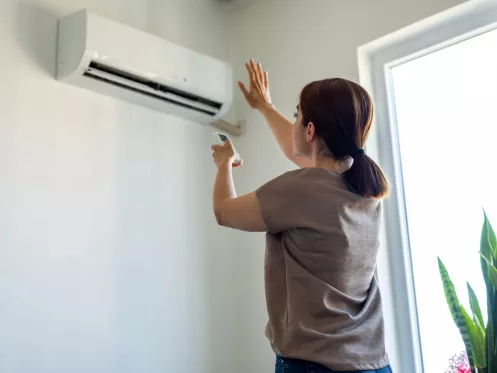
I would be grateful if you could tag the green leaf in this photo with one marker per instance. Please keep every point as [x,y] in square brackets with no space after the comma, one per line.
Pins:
[481,334]
[477,341]
[450,292]
[491,240]
[492,275]
[475,305]
[488,248]
[485,249]
[457,311]
[491,347]
[491,272]
[481,340]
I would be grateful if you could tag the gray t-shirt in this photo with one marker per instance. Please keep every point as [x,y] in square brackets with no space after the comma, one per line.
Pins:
[322,296]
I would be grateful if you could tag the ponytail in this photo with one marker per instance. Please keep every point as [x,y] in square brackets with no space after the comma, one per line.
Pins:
[342,114]
[366,178]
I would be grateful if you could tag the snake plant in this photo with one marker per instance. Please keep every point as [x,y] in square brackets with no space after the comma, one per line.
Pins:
[480,339]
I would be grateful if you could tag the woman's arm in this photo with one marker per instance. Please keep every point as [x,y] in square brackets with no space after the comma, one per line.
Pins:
[282,130]
[258,97]
[241,213]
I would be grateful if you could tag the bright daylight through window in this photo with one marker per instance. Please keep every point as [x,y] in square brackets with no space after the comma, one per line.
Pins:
[445,105]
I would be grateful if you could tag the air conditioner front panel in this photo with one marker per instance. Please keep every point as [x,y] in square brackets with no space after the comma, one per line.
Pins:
[191,85]
[145,54]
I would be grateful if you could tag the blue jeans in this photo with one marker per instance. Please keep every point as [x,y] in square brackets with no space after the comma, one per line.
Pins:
[284,365]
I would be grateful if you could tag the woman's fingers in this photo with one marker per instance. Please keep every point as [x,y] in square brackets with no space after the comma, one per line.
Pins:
[260,74]
[224,152]
[244,90]
[227,144]
[251,74]
[258,77]
[259,81]
[255,71]
[252,65]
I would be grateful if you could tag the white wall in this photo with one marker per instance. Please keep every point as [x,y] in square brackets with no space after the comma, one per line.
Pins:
[109,260]
[299,41]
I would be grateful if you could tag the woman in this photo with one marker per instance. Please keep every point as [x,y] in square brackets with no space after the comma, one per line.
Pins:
[322,223]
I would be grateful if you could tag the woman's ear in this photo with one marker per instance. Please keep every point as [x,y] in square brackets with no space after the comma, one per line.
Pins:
[310,132]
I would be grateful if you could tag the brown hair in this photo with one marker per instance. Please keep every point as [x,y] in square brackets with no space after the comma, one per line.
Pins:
[342,113]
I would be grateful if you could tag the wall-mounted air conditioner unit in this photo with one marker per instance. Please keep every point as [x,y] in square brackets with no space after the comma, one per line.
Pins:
[120,61]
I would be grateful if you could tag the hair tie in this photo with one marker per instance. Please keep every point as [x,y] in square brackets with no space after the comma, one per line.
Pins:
[357,152]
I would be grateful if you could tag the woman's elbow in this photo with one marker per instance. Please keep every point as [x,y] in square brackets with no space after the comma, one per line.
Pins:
[219,217]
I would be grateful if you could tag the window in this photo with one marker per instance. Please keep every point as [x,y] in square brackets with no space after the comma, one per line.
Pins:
[446,122]
[435,89]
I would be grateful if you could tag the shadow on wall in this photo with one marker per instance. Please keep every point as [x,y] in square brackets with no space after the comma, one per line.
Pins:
[37,35]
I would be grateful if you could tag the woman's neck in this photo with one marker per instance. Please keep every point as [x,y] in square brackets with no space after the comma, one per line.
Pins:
[326,162]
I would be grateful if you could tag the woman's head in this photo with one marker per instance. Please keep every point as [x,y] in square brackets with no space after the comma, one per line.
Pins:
[334,119]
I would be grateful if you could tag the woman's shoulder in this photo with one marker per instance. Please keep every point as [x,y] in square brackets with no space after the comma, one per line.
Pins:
[307,182]
[312,173]
[319,181]
[313,176]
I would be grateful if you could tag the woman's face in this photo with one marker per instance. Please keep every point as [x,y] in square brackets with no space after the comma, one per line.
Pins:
[301,145]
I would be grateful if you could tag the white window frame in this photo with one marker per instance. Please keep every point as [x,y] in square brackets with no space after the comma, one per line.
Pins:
[376,60]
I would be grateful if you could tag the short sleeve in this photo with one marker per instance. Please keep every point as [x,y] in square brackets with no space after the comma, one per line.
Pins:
[281,202]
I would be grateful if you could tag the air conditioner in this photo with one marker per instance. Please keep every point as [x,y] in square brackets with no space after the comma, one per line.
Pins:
[132,65]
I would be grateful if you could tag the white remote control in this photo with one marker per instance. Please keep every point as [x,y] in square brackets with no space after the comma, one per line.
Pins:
[221,139]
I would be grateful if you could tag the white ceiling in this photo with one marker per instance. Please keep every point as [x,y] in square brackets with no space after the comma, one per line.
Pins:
[236,3]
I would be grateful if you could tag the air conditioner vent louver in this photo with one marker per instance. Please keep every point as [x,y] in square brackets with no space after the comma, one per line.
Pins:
[159,91]
[128,64]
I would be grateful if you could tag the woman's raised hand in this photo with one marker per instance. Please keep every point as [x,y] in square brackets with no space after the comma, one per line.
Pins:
[257,95]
